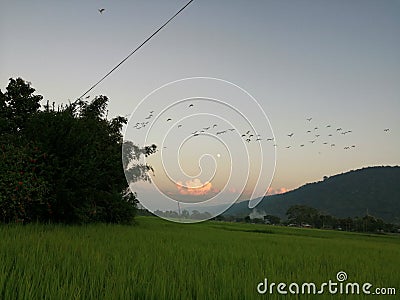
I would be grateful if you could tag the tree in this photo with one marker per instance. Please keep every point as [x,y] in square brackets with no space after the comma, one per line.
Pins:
[185,214]
[302,214]
[77,175]
[273,220]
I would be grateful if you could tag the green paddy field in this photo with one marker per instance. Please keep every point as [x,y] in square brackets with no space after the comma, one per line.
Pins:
[157,259]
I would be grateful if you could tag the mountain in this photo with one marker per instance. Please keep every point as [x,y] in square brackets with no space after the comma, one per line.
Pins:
[372,190]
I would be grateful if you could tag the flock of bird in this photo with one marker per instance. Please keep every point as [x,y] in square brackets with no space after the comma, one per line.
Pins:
[315,135]
[249,136]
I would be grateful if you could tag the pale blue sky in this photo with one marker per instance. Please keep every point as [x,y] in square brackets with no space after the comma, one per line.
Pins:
[335,61]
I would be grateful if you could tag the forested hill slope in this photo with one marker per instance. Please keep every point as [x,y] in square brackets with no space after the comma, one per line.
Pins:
[373,190]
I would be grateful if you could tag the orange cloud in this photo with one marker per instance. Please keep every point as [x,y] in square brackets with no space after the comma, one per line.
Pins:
[274,191]
[193,187]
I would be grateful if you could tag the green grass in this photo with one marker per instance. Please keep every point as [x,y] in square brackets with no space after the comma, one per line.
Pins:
[157,259]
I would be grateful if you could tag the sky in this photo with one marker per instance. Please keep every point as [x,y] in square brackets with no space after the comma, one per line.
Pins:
[275,64]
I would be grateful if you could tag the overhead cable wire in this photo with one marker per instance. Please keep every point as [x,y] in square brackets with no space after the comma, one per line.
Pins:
[137,48]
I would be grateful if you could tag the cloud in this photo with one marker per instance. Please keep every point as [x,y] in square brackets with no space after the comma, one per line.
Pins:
[194,187]
[274,191]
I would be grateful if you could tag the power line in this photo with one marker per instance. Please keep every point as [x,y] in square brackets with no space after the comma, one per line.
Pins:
[140,46]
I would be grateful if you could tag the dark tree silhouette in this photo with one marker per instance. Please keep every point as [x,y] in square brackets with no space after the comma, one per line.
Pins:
[64,165]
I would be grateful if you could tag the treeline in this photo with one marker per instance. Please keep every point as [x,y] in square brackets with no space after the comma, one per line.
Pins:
[305,216]
[64,164]
[170,214]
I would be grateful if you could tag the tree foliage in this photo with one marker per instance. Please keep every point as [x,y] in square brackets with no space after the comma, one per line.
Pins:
[64,165]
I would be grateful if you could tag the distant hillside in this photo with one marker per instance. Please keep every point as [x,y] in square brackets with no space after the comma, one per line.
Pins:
[351,194]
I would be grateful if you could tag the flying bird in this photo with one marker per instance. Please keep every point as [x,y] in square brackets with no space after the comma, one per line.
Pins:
[338,129]
[308,131]
[327,126]
[243,135]
[386,129]
[302,145]
[248,132]
[101,10]
[309,119]
[270,139]
[191,105]
[169,119]
[215,125]
[290,135]
[287,147]
[180,125]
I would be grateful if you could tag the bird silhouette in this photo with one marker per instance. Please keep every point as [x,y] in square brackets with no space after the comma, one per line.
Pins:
[270,139]
[308,131]
[243,135]
[328,126]
[191,105]
[287,147]
[386,129]
[309,119]
[169,119]
[215,125]
[302,145]
[179,126]
[290,135]
[101,10]
[338,129]
[248,132]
